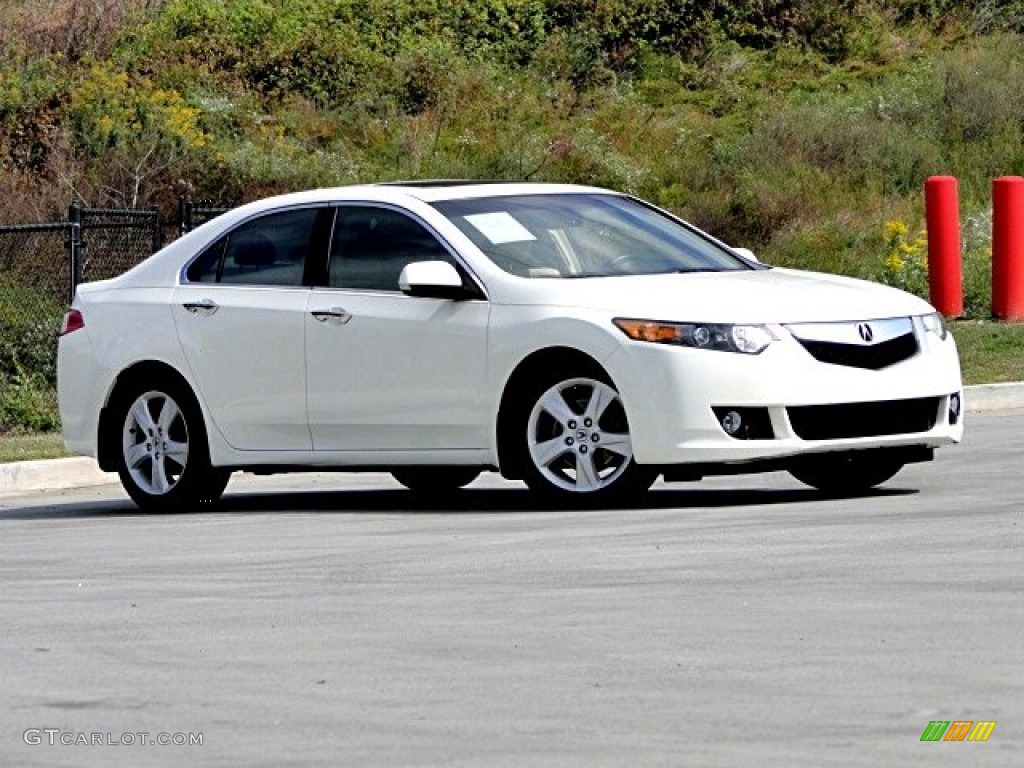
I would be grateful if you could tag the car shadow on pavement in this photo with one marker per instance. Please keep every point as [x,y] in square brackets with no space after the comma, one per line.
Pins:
[468,501]
[484,501]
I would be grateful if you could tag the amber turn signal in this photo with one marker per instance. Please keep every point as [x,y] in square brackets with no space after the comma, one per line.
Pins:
[648,330]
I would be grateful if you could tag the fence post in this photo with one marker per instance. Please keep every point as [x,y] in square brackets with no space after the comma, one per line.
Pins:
[942,214]
[184,215]
[158,233]
[75,246]
[1008,248]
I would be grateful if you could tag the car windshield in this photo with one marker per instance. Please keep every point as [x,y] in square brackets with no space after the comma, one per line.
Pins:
[584,235]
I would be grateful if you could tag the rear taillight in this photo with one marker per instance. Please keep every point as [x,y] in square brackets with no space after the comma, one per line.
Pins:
[73,320]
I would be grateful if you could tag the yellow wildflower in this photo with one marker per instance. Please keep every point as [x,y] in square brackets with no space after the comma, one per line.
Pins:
[895,229]
[894,263]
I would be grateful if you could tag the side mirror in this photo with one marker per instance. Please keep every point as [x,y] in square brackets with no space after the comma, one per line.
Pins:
[747,254]
[433,280]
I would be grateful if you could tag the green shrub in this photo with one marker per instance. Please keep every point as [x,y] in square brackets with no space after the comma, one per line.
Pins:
[906,259]
[983,16]
[977,265]
[30,346]
[906,262]
[692,27]
[28,403]
[29,319]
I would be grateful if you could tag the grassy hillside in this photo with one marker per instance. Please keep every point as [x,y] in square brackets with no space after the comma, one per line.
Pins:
[803,129]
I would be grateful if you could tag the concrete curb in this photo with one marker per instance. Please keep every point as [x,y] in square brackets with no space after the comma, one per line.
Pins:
[78,472]
[994,397]
[51,475]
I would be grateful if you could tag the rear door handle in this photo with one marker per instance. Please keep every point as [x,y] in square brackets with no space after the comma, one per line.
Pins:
[335,315]
[204,307]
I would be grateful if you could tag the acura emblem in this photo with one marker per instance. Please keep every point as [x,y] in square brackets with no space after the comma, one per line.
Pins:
[865,332]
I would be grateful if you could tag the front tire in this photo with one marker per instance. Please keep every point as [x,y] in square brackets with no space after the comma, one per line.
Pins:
[845,474]
[574,442]
[164,459]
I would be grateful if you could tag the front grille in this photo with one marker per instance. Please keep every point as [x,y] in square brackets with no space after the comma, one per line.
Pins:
[843,420]
[873,357]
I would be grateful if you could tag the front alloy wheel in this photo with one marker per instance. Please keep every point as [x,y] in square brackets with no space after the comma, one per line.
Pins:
[578,442]
[164,461]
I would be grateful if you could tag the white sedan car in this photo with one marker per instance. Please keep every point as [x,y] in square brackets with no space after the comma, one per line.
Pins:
[575,338]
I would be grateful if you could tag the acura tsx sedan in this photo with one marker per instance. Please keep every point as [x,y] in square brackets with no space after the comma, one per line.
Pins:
[575,338]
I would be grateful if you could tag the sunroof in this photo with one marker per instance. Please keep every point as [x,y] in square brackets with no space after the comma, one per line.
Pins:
[442,182]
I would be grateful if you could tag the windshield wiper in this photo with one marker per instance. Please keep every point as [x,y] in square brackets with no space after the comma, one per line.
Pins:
[680,271]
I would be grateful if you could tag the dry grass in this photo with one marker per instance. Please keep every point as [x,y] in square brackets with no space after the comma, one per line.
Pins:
[72,28]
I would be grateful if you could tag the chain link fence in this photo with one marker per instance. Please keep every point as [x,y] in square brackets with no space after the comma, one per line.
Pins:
[41,265]
[194,214]
[35,286]
[112,240]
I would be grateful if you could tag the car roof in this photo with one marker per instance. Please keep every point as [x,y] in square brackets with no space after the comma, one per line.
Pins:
[436,190]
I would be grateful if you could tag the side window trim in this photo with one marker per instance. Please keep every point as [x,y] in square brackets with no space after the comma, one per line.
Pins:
[316,268]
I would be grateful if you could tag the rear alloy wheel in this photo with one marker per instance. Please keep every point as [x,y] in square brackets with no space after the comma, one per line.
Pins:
[577,441]
[844,474]
[435,481]
[164,460]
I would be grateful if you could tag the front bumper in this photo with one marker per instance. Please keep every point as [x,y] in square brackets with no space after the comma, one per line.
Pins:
[670,394]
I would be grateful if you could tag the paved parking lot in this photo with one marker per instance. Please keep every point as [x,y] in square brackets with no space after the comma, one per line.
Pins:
[335,620]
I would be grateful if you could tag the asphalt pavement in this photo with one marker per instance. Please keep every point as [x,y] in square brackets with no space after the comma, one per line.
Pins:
[337,620]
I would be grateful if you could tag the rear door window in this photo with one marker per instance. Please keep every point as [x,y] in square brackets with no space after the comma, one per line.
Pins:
[269,250]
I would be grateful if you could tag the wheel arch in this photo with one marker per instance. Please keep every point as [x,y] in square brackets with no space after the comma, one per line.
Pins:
[108,441]
[542,362]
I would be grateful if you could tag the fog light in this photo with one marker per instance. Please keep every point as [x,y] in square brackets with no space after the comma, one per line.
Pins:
[732,422]
[954,408]
[744,423]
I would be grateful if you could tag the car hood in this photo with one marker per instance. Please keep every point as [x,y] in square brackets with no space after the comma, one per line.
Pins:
[757,296]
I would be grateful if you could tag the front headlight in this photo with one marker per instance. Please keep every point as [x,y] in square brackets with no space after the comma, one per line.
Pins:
[934,323]
[722,337]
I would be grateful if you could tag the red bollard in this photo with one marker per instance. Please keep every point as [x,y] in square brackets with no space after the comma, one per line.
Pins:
[942,214]
[1008,248]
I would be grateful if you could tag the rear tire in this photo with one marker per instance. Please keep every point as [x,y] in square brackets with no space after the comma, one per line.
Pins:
[845,474]
[163,457]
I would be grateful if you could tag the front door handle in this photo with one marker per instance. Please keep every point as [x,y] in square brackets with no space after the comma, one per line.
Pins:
[205,307]
[335,315]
